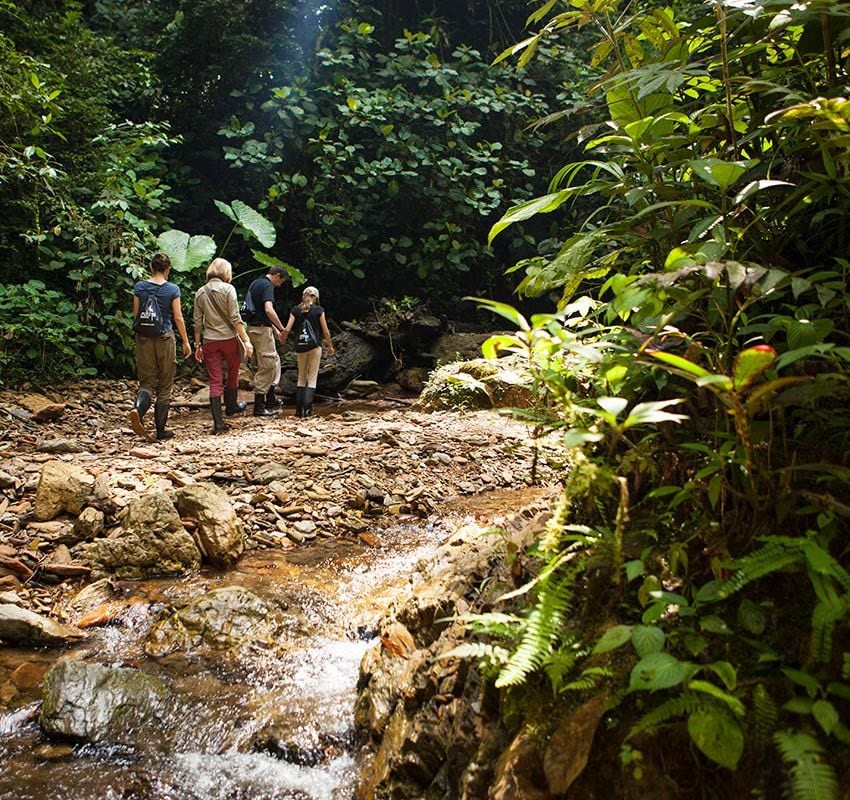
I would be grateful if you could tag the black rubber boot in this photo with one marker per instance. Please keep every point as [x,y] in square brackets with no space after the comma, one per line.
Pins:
[143,403]
[160,411]
[219,425]
[299,401]
[271,398]
[308,401]
[231,404]
[260,409]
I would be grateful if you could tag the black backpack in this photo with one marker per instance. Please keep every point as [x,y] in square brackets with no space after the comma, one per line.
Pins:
[149,322]
[307,339]
[248,309]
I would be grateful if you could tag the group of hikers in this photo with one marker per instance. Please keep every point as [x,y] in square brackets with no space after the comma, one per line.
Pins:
[222,337]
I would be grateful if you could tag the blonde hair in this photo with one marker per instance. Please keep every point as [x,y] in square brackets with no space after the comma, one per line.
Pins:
[220,268]
[309,291]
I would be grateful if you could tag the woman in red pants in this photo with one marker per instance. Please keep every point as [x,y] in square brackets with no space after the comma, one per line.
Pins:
[218,332]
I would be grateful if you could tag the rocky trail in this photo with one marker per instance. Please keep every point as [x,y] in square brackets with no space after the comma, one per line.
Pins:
[113,547]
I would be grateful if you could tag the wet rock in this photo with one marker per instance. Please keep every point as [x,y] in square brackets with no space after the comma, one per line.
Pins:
[96,703]
[28,676]
[89,598]
[151,540]
[220,535]
[22,626]
[224,619]
[90,524]
[61,487]
[478,384]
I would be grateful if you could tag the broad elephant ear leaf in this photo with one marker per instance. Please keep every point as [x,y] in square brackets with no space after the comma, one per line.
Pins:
[186,252]
[255,223]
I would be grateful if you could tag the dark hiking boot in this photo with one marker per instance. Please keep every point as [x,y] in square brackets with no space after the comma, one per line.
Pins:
[299,401]
[231,404]
[143,403]
[308,401]
[260,409]
[271,398]
[219,425]
[160,411]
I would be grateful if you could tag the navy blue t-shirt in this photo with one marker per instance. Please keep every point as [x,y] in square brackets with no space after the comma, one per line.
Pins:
[261,290]
[165,294]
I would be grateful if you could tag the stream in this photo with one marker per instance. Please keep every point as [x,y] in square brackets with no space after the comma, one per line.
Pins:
[340,588]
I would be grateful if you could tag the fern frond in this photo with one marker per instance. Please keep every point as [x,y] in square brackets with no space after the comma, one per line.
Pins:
[589,679]
[492,653]
[765,715]
[561,662]
[543,626]
[811,777]
[824,618]
[777,554]
[682,706]
[550,541]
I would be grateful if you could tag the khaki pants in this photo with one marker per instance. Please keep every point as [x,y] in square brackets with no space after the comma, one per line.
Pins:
[156,365]
[266,358]
[308,367]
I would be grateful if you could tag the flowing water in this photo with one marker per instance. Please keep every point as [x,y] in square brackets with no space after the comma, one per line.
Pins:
[304,690]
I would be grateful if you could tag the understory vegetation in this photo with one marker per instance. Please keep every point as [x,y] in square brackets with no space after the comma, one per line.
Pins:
[669,184]
[693,579]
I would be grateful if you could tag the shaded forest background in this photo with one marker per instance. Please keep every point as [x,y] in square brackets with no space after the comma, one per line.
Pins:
[375,138]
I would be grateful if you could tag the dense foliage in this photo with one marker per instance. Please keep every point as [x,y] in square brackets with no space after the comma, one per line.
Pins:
[366,144]
[697,375]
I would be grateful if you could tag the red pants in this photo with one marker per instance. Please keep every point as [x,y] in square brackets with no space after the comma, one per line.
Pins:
[216,353]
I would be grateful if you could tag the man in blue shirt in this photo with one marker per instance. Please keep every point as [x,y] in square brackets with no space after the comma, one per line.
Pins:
[263,330]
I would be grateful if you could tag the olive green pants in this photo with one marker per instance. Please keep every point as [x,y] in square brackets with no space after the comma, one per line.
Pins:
[156,365]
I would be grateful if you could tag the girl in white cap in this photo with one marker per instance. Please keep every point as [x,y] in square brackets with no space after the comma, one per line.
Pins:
[311,329]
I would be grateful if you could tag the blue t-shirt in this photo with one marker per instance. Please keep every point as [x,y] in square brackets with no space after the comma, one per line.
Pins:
[261,290]
[165,294]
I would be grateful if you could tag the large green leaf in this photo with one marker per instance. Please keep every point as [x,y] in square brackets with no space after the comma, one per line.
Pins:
[255,223]
[249,220]
[718,735]
[186,252]
[657,671]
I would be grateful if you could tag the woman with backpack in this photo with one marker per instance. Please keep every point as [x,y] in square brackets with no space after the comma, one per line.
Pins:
[308,321]
[218,332]
[156,312]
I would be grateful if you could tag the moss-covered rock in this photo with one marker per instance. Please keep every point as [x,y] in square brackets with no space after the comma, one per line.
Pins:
[479,383]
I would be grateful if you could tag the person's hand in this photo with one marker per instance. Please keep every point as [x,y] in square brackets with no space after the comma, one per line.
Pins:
[279,336]
[187,349]
[331,350]
[249,348]
[199,353]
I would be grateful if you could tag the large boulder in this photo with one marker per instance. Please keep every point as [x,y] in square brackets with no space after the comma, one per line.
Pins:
[478,384]
[151,540]
[220,534]
[225,619]
[458,347]
[353,358]
[21,626]
[61,487]
[96,703]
